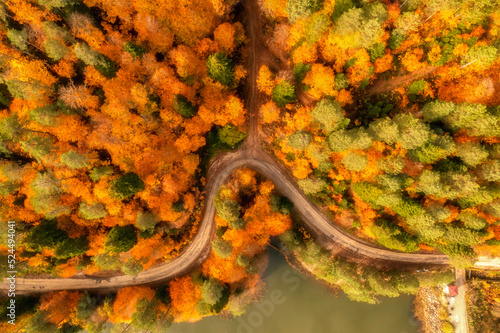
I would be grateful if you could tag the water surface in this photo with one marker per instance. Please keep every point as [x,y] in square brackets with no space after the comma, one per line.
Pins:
[297,304]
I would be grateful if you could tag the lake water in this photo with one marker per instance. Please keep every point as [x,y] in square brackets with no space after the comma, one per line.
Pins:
[296,304]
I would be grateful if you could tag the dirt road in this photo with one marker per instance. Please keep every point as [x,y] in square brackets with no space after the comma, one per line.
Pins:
[250,155]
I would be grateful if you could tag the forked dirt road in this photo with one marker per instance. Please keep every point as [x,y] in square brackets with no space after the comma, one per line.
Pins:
[250,155]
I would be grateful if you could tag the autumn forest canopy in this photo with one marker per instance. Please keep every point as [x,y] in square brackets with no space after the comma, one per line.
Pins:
[386,114]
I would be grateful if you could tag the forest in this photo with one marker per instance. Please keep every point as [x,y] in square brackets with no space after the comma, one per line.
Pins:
[386,114]
[110,114]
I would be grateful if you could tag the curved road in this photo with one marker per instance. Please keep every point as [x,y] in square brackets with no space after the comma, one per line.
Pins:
[249,155]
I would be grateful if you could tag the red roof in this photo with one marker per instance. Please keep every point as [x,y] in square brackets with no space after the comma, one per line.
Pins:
[452,290]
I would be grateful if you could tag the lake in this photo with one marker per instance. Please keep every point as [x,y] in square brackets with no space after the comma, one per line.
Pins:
[297,304]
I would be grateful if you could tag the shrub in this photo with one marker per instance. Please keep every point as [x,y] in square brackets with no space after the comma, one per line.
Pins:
[221,68]
[121,239]
[126,186]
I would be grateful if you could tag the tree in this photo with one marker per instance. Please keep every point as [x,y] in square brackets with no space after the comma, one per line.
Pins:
[135,50]
[121,239]
[221,68]
[71,247]
[481,56]
[300,9]
[355,162]
[222,248]
[299,140]
[311,186]
[284,93]
[126,186]
[329,115]
[146,220]
[18,38]
[92,211]
[436,110]
[211,291]
[100,172]
[183,106]
[412,131]
[471,153]
[229,210]
[74,160]
[230,135]
[55,49]
[86,306]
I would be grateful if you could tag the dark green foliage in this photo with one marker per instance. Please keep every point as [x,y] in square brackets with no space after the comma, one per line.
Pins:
[126,186]
[396,39]
[230,135]
[136,50]
[281,204]
[227,209]
[221,68]
[44,235]
[107,67]
[24,305]
[222,248]
[238,223]
[452,164]
[284,93]
[377,51]
[300,70]
[71,247]
[121,239]
[183,106]
[379,109]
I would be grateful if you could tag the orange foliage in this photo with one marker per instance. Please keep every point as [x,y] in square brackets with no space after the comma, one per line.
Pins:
[126,301]
[185,294]
[60,306]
